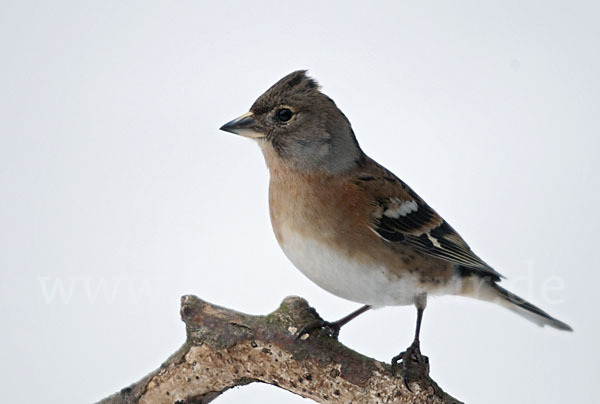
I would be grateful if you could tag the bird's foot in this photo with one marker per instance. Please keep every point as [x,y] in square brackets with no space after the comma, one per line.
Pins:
[331,329]
[411,364]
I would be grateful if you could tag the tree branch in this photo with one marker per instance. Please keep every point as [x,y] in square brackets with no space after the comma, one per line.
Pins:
[225,348]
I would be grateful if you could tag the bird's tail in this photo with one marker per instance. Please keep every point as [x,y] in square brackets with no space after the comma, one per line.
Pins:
[493,292]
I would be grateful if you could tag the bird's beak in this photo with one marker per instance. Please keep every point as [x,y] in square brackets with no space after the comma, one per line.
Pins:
[246,125]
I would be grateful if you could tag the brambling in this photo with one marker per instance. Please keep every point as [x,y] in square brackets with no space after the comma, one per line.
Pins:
[349,224]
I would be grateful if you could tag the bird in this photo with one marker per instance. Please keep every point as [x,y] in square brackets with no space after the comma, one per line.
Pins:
[352,226]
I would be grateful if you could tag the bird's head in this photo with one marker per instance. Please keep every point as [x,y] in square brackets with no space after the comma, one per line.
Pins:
[294,121]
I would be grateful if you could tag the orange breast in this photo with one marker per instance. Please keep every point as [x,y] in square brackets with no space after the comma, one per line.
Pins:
[319,206]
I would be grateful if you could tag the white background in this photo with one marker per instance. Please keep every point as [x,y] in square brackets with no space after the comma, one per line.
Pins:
[117,185]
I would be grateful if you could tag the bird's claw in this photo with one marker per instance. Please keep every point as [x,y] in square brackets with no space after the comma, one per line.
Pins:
[411,364]
[331,329]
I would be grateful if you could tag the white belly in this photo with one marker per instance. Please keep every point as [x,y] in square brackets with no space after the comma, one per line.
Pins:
[350,279]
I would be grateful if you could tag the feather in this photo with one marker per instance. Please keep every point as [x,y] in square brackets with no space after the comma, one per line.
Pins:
[401,216]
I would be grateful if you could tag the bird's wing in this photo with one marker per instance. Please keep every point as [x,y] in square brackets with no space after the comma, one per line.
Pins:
[401,216]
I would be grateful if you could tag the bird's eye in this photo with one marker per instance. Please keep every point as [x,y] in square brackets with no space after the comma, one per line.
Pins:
[284,114]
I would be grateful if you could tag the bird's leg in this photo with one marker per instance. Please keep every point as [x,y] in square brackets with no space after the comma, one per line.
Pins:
[332,328]
[415,366]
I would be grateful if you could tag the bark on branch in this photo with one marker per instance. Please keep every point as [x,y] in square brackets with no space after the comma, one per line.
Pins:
[225,348]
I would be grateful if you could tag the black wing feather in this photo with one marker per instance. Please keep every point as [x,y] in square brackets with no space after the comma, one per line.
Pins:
[428,233]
